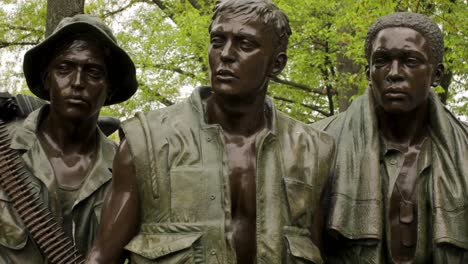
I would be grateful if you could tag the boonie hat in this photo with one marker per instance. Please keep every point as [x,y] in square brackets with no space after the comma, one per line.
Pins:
[122,76]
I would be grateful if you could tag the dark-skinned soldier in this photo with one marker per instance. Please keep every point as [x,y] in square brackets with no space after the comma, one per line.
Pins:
[400,192]
[78,68]
[223,177]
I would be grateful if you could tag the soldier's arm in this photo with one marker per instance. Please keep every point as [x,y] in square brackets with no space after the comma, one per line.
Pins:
[120,213]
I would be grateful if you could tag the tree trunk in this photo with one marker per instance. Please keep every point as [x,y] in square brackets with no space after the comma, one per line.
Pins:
[58,9]
[445,84]
[346,65]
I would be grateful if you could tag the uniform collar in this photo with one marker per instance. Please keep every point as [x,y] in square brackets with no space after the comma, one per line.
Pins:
[198,98]
[425,154]
[25,140]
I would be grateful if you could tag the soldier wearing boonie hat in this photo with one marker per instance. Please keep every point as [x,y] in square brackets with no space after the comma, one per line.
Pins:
[122,79]
[78,68]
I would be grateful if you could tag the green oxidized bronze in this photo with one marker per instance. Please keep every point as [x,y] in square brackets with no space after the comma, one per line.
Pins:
[68,157]
[222,177]
[399,193]
[184,194]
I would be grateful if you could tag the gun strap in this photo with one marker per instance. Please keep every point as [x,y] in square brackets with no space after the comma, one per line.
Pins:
[39,221]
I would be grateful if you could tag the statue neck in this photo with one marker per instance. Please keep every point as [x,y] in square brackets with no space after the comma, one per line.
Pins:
[407,128]
[237,117]
[69,136]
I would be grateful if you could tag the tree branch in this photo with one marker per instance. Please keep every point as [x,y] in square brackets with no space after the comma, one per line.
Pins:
[123,8]
[171,68]
[329,87]
[165,9]
[417,6]
[314,40]
[299,86]
[311,107]
[19,43]
[397,7]
[195,4]
[20,28]
[162,99]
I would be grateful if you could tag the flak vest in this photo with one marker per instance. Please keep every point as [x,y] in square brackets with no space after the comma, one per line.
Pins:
[183,179]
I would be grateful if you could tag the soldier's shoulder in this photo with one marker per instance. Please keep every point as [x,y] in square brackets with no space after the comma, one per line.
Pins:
[321,138]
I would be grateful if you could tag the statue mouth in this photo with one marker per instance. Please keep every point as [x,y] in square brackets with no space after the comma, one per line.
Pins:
[76,100]
[225,73]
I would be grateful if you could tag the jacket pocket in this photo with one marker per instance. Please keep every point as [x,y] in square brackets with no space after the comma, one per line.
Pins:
[451,227]
[303,200]
[13,234]
[451,235]
[300,248]
[163,248]
[193,191]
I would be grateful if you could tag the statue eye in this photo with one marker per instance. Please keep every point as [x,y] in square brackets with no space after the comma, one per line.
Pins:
[412,62]
[96,73]
[216,41]
[63,68]
[379,61]
[247,45]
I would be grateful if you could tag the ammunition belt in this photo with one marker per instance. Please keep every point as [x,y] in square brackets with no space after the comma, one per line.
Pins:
[43,227]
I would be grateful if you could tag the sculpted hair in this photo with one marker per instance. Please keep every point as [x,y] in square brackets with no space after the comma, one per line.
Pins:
[418,22]
[265,10]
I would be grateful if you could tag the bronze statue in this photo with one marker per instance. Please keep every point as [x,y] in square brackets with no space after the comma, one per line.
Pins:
[399,194]
[79,68]
[21,105]
[222,177]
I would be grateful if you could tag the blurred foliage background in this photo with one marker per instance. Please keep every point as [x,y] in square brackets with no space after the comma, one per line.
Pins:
[168,41]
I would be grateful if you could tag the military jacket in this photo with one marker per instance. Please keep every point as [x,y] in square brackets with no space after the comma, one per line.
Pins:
[15,244]
[358,212]
[183,179]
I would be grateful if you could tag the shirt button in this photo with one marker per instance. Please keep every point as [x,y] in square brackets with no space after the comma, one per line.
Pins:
[393,161]
[212,197]
[208,139]
[213,252]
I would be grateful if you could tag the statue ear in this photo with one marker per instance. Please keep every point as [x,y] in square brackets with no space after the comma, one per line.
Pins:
[438,74]
[45,79]
[279,64]
[368,72]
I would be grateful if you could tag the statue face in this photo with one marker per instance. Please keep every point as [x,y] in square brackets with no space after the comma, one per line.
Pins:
[77,81]
[401,70]
[241,56]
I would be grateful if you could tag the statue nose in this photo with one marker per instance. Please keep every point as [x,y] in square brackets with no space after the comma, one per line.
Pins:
[394,73]
[78,82]
[227,53]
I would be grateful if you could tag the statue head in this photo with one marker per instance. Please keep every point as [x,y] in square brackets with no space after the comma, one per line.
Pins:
[82,31]
[404,53]
[248,41]
[262,10]
[418,22]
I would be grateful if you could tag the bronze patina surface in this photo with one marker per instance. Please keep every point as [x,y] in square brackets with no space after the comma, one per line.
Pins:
[68,157]
[222,177]
[401,169]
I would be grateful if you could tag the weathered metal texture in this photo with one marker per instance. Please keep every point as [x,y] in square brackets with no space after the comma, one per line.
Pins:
[45,230]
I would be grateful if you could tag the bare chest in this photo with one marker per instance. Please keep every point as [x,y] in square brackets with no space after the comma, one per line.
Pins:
[71,170]
[241,155]
[241,158]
